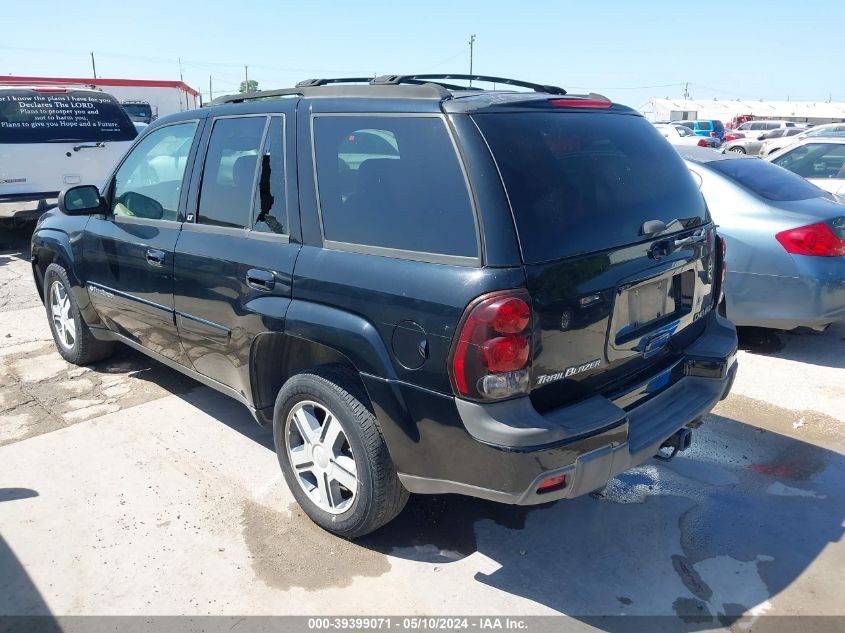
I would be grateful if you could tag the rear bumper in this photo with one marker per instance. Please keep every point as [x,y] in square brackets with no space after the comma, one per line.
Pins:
[26,205]
[506,452]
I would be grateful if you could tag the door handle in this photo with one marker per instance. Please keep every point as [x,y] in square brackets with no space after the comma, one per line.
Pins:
[155,257]
[260,279]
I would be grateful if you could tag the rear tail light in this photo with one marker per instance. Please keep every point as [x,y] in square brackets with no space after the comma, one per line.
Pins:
[702,142]
[492,350]
[816,240]
[713,135]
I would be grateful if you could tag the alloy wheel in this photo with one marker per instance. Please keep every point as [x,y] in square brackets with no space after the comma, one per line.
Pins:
[321,457]
[60,312]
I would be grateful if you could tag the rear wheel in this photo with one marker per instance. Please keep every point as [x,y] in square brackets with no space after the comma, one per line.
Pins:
[333,455]
[737,149]
[74,340]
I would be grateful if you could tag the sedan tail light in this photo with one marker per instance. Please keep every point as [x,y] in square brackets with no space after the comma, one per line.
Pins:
[702,143]
[815,240]
[492,349]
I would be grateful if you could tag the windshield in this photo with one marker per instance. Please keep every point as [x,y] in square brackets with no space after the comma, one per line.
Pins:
[583,181]
[33,116]
[141,110]
[766,180]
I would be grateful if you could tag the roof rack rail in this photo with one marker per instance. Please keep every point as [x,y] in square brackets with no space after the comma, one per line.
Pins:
[400,79]
[311,83]
[251,96]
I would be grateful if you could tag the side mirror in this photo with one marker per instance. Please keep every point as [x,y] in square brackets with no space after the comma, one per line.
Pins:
[82,200]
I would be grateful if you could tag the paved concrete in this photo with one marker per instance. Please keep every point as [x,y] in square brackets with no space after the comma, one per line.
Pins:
[127,489]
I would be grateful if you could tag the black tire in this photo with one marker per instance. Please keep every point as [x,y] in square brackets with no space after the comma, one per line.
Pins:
[737,149]
[85,348]
[380,496]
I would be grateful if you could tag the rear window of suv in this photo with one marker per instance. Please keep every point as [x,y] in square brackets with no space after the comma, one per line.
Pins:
[584,182]
[31,116]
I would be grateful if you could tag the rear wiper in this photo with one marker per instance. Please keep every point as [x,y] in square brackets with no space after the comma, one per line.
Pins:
[76,148]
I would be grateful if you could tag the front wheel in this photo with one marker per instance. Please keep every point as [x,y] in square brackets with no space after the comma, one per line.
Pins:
[74,340]
[737,149]
[333,455]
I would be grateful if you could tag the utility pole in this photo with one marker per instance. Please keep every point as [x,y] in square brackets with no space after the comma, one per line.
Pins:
[686,90]
[471,46]
[210,93]
[180,70]
[93,64]
[246,75]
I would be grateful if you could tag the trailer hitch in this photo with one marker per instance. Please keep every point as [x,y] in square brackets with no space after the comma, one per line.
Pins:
[680,441]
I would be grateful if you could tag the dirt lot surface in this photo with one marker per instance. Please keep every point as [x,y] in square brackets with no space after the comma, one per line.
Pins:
[126,488]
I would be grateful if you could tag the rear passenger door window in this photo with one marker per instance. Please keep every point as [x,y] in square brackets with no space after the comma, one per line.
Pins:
[228,179]
[271,193]
[393,185]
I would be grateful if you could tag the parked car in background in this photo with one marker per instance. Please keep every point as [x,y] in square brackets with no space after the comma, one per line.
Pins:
[711,128]
[819,160]
[394,280]
[757,127]
[777,139]
[52,138]
[139,111]
[785,241]
[752,144]
[828,130]
[731,135]
[681,135]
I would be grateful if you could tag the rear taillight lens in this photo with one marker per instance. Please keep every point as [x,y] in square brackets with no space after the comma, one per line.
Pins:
[702,142]
[492,350]
[713,135]
[815,240]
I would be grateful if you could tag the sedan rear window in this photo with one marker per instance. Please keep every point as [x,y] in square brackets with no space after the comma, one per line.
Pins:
[32,116]
[766,180]
[584,182]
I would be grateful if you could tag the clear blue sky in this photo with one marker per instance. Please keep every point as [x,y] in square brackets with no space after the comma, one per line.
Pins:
[628,50]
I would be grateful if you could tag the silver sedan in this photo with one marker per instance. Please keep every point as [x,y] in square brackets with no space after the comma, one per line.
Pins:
[785,241]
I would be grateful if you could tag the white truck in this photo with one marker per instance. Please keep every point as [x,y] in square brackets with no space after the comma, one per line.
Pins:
[163,97]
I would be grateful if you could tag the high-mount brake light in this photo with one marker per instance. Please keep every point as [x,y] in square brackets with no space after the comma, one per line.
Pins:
[492,349]
[815,240]
[49,90]
[580,103]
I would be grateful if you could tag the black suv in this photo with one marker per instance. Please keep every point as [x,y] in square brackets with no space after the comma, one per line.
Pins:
[423,287]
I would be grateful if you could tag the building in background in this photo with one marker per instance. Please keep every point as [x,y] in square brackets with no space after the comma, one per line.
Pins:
[163,97]
[737,111]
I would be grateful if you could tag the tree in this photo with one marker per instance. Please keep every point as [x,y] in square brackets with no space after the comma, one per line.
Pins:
[248,86]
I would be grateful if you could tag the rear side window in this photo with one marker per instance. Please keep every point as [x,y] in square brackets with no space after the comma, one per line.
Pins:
[704,125]
[228,177]
[393,182]
[270,205]
[583,182]
[765,179]
[29,116]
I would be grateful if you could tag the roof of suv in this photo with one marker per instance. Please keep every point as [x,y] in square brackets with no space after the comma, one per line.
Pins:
[437,88]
